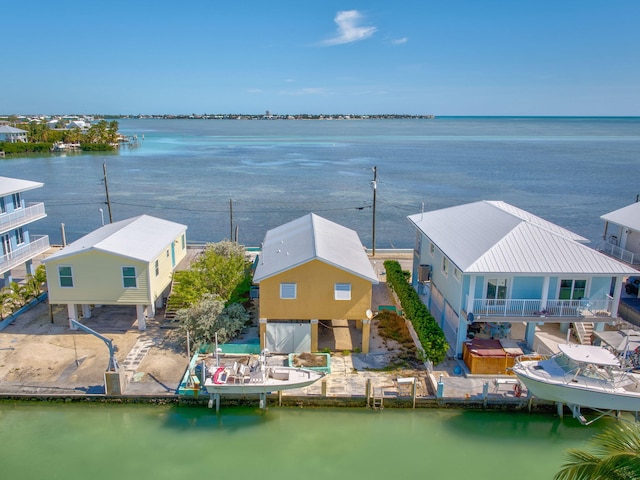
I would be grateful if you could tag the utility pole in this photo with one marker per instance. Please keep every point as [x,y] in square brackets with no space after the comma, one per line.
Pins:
[374,186]
[106,191]
[231,220]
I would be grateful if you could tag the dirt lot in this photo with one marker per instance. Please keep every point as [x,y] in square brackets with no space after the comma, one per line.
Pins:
[38,354]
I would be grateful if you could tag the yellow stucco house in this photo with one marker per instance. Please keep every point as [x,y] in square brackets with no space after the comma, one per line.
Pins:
[309,270]
[130,262]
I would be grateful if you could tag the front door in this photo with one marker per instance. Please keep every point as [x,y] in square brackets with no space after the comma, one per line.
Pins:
[173,255]
[6,244]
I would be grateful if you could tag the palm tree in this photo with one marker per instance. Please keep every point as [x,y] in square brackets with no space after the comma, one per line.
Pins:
[616,456]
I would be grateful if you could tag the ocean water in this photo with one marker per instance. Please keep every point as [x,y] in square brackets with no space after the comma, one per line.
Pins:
[566,170]
[80,441]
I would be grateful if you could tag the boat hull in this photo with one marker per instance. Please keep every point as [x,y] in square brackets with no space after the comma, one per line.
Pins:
[295,378]
[590,396]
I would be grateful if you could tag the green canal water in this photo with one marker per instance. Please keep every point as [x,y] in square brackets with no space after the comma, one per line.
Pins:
[94,441]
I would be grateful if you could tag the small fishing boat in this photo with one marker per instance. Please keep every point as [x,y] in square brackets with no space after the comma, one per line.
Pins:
[580,376]
[240,378]
[253,376]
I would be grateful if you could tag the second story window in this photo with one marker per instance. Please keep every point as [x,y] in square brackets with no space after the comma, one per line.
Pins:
[342,291]
[288,291]
[66,276]
[129,277]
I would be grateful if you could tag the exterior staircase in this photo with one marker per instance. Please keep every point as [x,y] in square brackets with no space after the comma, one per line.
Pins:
[172,305]
[583,331]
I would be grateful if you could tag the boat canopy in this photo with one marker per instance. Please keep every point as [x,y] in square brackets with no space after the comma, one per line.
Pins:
[589,354]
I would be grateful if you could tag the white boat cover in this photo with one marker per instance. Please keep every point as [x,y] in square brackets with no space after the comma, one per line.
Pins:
[589,354]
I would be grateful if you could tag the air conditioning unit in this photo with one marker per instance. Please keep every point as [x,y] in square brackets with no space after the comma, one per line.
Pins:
[424,273]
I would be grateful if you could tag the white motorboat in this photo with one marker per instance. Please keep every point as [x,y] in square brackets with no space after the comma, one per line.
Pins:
[257,378]
[580,376]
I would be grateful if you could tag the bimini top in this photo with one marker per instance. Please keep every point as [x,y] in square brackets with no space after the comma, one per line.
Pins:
[140,238]
[308,238]
[628,216]
[495,237]
[9,186]
[589,354]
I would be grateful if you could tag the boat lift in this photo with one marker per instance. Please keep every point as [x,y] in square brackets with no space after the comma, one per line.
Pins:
[113,381]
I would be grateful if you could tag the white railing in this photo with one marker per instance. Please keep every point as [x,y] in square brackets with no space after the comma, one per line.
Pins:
[39,245]
[22,216]
[533,308]
[620,253]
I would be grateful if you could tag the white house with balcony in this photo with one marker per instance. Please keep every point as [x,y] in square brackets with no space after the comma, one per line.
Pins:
[18,245]
[489,261]
[621,237]
[12,135]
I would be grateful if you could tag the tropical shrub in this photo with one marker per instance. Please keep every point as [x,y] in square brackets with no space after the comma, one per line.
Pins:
[209,316]
[429,332]
[222,270]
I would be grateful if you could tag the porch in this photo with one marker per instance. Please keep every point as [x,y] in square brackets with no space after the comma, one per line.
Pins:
[521,309]
[613,250]
[22,216]
[40,244]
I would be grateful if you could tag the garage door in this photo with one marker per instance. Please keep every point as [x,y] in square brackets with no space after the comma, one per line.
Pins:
[288,337]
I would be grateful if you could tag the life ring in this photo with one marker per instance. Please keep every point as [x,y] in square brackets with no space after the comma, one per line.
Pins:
[517,390]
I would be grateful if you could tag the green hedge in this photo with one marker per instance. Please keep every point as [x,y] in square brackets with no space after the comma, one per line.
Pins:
[429,333]
[96,147]
[20,147]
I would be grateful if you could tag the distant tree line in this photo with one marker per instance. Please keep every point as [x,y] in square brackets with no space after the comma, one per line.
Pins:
[101,136]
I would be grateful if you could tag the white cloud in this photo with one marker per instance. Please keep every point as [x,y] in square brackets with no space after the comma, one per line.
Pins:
[399,41]
[349,29]
[254,90]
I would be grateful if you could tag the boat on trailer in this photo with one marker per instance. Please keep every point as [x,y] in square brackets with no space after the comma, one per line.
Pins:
[255,377]
[581,376]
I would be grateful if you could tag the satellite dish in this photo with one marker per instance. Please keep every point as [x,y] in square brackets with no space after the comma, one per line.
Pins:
[369,314]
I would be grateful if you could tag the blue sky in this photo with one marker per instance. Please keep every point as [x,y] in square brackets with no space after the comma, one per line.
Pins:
[444,57]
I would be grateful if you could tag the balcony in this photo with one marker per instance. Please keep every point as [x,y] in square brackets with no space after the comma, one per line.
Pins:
[630,258]
[22,216]
[533,308]
[40,244]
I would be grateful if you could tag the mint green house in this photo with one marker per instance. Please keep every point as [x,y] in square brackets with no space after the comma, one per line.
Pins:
[130,262]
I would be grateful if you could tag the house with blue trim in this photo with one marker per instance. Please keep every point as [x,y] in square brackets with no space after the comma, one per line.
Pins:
[19,246]
[490,261]
[621,237]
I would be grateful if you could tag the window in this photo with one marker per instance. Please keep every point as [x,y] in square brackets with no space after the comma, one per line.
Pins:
[19,236]
[288,291]
[445,265]
[66,276]
[497,289]
[167,253]
[17,203]
[183,242]
[3,207]
[432,249]
[342,291]
[457,274]
[157,266]
[129,277]
[572,289]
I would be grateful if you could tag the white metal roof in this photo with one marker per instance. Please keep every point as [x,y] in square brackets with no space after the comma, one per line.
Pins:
[9,129]
[628,216]
[495,237]
[10,185]
[140,238]
[312,237]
